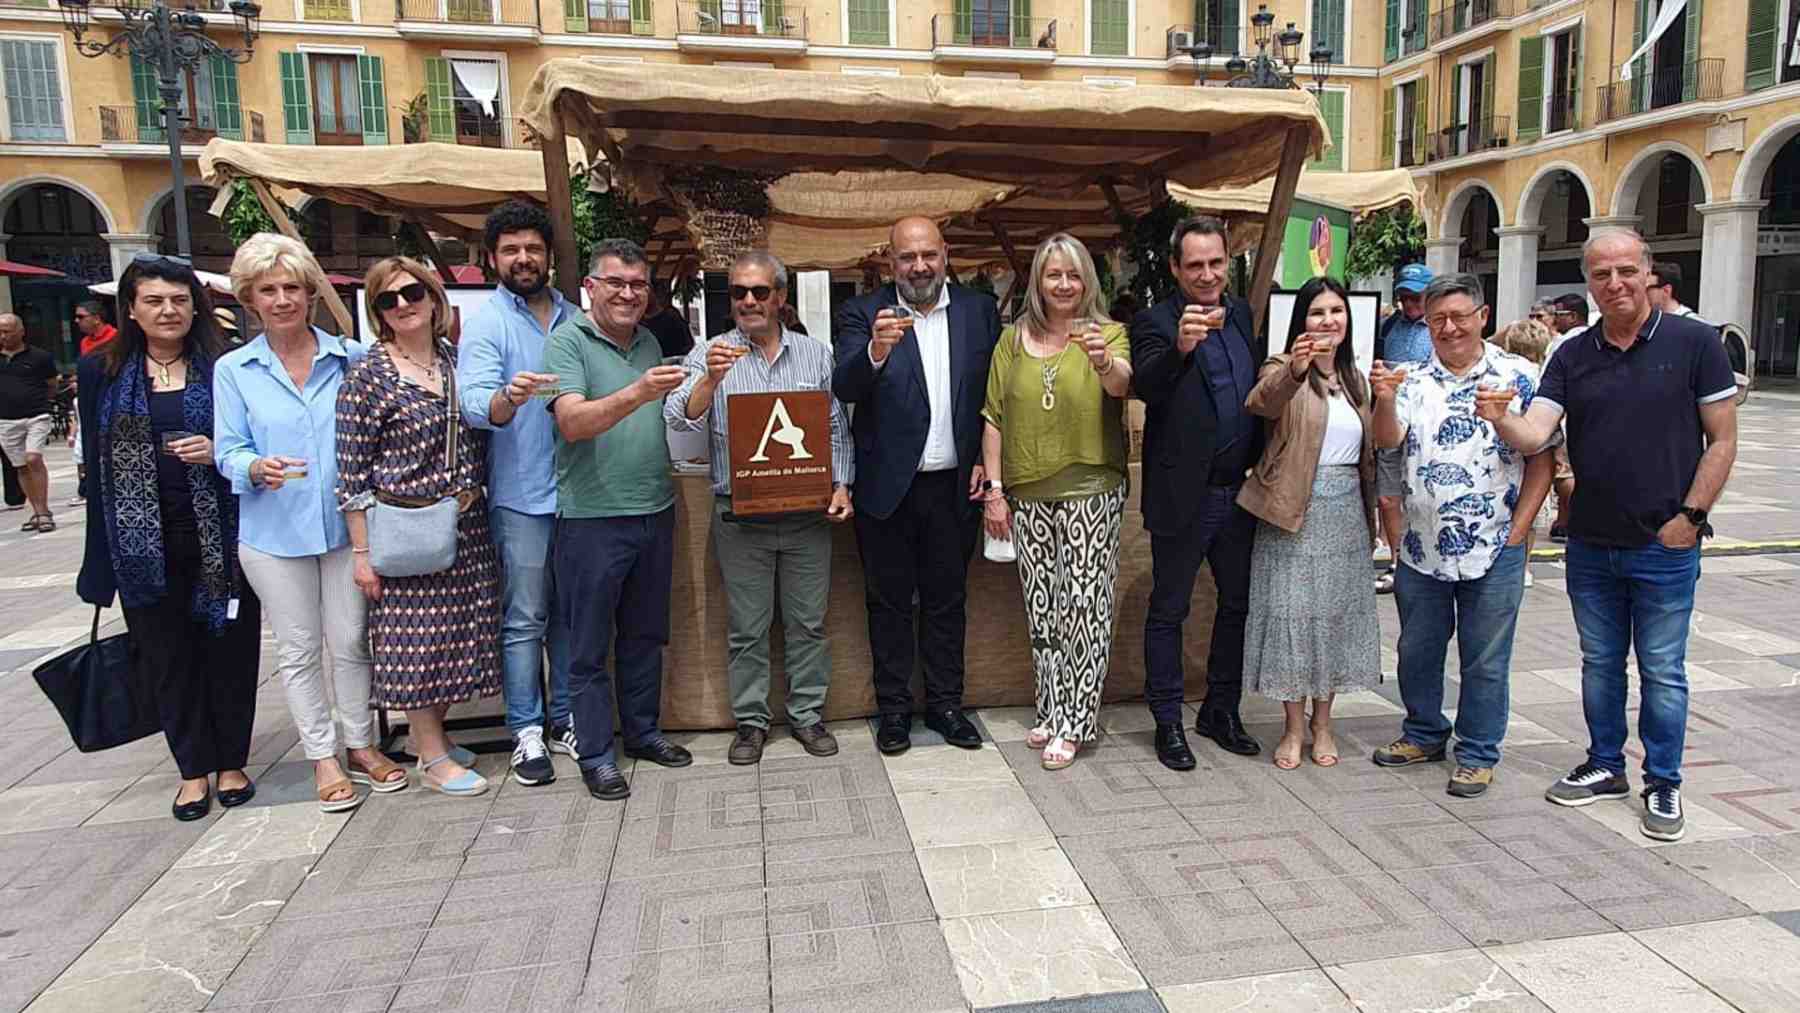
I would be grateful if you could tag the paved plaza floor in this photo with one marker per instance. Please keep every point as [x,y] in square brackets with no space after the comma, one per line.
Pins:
[942,879]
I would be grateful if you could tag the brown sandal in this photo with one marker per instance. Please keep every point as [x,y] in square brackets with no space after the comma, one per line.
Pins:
[379,778]
[327,804]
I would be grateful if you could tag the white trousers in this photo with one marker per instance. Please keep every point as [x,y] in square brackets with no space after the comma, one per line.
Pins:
[312,602]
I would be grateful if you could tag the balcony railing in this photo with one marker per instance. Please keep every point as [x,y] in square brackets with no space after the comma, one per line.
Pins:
[1226,44]
[120,125]
[1462,15]
[998,30]
[1484,134]
[470,12]
[742,17]
[1560,114]
[1699,81]
[1411,152]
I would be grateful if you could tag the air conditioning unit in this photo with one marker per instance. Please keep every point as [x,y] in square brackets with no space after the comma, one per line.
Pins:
[1181,41]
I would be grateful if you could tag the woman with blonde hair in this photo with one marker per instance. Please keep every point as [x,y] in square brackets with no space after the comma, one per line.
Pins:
[1055,437]
[276,440]
[401,441]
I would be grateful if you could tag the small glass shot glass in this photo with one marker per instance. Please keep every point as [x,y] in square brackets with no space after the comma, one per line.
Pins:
[1079,327]
[546,392]
[172,437]
[293,469]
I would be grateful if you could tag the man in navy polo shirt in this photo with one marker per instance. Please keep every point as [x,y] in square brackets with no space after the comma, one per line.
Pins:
[1652,431]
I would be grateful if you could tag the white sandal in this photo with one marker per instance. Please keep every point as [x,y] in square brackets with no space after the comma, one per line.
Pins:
[1060,753]
[1038,737]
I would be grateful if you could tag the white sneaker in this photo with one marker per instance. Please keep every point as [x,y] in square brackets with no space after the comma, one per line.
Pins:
[1528,580]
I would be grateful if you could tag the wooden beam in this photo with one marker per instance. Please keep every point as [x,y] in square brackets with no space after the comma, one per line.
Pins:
[1281,201]
[422,236]
[1120,215]
[1006,246]
[562,207]
[333,302]
[837,129]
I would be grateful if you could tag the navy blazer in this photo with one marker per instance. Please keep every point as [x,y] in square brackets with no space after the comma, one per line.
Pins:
[892,415]
[1181,420]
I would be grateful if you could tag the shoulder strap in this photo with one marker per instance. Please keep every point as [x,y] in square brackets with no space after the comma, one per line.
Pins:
[455,418]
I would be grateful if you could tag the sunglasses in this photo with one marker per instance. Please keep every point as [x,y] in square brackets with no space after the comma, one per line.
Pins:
[760,292]
[414,293]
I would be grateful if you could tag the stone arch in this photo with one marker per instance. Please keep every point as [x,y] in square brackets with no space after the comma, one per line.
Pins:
[1631,182]
[13,187]
[151,217]
[1753,168]
[1531,198]
[1450,222]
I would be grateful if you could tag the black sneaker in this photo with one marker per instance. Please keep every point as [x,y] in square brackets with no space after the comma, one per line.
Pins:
[606,783]
[530,760]
[1587,784]
[562,740]
[1663,820]
[1559,533]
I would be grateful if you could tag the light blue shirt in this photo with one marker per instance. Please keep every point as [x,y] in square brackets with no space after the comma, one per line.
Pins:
[258,412]
[500,341]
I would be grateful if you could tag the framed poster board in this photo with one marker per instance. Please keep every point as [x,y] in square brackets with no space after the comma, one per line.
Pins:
[780,452]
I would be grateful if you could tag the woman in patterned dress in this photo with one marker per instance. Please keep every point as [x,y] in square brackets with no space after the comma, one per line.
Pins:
[1055,433]
[1313,630]
[434,639]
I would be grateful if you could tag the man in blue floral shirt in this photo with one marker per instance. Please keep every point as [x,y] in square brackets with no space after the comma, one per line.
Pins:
[1470,500]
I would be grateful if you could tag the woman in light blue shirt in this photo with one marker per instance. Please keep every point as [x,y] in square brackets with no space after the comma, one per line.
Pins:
[275,437]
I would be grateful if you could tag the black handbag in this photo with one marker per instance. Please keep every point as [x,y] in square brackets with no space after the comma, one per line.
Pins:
[97,690]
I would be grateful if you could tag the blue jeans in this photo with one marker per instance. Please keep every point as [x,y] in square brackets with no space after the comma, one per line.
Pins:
[1482,613]
[1644,598]
[529,624]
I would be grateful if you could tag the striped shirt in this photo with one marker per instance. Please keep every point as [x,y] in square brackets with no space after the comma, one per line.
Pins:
[803,363]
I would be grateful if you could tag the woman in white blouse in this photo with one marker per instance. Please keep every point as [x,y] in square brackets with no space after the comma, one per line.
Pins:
[1312,630]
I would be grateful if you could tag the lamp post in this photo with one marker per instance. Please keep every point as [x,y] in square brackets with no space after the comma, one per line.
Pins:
[172,41]
[1264,70]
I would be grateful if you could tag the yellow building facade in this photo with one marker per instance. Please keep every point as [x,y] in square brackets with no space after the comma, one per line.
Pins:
[1444,87]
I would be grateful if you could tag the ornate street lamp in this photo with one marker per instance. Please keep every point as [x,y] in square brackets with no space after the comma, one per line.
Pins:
[172,41]
[1265,70]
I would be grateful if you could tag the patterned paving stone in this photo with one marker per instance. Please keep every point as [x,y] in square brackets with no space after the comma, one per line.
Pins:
[1349,787]
[812,778]
[1761,872]
[1110,790]
[728,976]
[834,828]
[874,968]
[1357,918]
[690,840]
[349,881]
[1413,837]
[665,792]
[1502,901]
[1637,889]
[503,860]
[312,956]
[473,937]
[1225,794]
[1453,980]
[1203,937]
[1299,847]
[845,892]
[697,908]
[413,816]
[550,988]
[1554,830]
[1164,862]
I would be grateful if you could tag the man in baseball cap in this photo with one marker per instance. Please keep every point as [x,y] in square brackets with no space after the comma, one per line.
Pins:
[1403,338]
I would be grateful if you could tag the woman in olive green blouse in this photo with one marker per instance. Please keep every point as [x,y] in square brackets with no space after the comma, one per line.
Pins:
[1055,434]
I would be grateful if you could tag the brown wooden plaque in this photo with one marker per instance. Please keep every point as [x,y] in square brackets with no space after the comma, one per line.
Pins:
[780,452]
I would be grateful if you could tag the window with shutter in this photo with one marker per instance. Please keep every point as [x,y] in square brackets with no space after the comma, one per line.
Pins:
[1531,87]
[1690,57]
[1331,106]
[228,115]
[1640,68]
[575,16]
[1391,36]
[642,18]
[1112,28]
[1421,118]
[868,23]
[1328,27]
[372,82]
[1488,127]
[34,104]
[440,101]
[1389,101]
[296,99]
[1761,58]
[149,104]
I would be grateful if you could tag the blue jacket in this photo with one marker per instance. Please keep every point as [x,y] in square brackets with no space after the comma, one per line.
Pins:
[892,415]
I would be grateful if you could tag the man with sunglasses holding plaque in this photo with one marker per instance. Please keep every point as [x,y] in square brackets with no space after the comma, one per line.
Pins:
[760,356]
[913,357]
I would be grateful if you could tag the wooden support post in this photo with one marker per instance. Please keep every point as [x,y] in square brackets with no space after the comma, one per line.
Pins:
[562,207]
[1281,201]
[1111,192]
[333,302]
[1006,247]
[422,237]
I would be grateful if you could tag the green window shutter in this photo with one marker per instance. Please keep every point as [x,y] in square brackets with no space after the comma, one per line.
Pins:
[228,114]
[1331,106]
[1229,26]
[149,105]
[1487,98]
[964,17]
[771,16]
[1761,66]
[1389,98]
[868,22]
[1391,46]
[1112,28]
[1575,79]
[372,81]
[1421,117]
[575,16]
[1328,27]
[642,18]
[1690,59]
[1456,117]
[1022,35]
[712,9]
[1640,68]
[1531,87]
[1418,26]
[296,99]
[440,101]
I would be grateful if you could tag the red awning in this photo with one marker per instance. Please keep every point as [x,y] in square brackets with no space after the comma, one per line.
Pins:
[14,269]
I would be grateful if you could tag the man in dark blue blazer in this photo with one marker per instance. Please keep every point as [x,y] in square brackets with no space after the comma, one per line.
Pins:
[1194,359]
[917,383]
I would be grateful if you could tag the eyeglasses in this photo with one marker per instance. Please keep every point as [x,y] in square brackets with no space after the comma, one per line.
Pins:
[635,286]
[147,257]
[414,293]
[1438,321]
[760,292]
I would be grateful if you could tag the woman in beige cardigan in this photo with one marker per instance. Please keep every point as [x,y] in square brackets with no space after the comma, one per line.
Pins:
[1312,629]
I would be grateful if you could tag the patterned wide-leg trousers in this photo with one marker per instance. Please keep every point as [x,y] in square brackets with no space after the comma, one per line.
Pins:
[1068,563]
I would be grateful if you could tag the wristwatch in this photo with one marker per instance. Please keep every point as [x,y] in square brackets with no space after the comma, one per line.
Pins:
[1696,517]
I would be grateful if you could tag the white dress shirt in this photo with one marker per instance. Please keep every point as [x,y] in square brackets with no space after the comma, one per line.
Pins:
[932,331]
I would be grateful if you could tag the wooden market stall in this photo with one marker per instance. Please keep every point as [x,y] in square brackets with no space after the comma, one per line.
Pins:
[686,135]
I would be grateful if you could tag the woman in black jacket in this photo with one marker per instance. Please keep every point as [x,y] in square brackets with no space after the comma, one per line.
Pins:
[162,527]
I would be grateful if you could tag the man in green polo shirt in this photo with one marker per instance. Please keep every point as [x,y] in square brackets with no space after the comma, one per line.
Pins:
[615,507]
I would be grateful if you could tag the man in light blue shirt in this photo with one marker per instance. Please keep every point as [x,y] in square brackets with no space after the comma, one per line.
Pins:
[502,344]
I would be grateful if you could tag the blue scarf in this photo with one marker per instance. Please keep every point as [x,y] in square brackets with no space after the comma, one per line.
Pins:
[131,508]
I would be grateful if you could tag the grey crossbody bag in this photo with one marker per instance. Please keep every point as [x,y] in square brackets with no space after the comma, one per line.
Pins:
[408,539]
